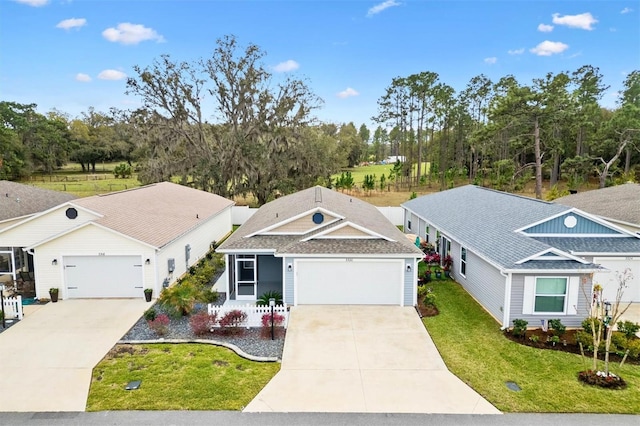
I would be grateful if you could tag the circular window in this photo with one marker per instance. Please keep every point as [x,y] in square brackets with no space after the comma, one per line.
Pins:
[318,218]
[71,213]
[570,221]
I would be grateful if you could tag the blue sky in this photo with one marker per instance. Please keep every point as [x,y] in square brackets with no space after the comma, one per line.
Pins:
[73,54]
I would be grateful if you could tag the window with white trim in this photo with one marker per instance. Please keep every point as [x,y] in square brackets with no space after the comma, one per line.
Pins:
[550,294]
[426,234]
[409,225]
[463,261]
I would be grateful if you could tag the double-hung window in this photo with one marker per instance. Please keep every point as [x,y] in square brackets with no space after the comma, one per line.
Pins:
[550,294]
[463,261]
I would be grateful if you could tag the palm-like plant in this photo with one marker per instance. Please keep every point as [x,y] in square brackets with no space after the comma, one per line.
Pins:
[263,300]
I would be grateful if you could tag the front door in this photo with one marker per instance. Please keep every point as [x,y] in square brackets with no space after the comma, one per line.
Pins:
[246,283]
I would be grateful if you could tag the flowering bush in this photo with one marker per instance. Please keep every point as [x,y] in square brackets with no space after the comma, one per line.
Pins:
[447,262]
[159,324]
[277,320]
[202,323]
[426,247]
[432,259]
[232,320]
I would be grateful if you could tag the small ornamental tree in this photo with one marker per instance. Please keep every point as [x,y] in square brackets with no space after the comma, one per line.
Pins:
[604,313]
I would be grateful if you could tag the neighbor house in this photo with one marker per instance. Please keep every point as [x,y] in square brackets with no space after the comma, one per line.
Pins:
[319,246]
[17,203]
[618,204]
[115,245]
[525,258]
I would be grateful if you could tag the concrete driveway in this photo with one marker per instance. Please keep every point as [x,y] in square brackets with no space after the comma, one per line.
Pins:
[46,359]
[377,359]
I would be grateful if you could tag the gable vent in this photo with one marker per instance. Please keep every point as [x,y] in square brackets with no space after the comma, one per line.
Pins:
[318,195]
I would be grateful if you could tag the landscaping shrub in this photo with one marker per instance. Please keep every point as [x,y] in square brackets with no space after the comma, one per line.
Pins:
[628,328]
[122,170]
[423,291]
[150,314]
[429,298]
[232,320]
[586,339]
[160,324]
[557,327]
[202,323]
[519,327]
[263,300]
[586,324]
[180,299]
[619,343]
[277,319]
[634,348]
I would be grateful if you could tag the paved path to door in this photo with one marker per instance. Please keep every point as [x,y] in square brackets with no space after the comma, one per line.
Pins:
[363,359]
[47,358]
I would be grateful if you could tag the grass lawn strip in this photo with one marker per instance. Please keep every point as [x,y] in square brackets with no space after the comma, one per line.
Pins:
[475,350]
[176,377]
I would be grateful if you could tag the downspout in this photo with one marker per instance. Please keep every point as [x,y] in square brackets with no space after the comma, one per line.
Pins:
[507,300]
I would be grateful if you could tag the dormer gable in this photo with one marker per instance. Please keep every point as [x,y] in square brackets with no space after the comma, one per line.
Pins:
[347,230]
[573,223]
[552,254]
[302,223]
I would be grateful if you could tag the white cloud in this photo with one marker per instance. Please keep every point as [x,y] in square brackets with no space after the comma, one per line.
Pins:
[382,6]
[626,10]
[544,28]
[34,3]
[347,93]
[111,75]
[83,77]
[516,51]
[286,66]
[67,24]
[127,33]
[492,60]
[548,48]
[583,21]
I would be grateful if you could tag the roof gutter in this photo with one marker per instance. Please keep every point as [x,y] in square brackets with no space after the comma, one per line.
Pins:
[506,306]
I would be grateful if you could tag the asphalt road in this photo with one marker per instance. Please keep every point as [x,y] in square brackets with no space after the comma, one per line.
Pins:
[192,418]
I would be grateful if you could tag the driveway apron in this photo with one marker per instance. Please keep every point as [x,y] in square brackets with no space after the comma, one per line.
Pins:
[47,358]
[377,359]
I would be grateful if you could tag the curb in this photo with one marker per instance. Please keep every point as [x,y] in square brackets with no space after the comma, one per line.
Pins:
[234,348]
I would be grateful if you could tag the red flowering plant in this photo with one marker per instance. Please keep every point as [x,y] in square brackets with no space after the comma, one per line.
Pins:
[432,259]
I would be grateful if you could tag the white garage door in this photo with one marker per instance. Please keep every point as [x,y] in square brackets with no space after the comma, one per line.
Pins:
[609,281]
[103,276]
[349,282]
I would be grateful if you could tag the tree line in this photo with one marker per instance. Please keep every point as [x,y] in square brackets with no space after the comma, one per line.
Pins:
[225,124]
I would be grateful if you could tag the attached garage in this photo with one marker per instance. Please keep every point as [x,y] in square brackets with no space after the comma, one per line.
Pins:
[609,281]
[349,282]
[103,276]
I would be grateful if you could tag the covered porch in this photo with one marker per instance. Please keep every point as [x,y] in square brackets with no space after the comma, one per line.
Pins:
[16,271]
[252,275]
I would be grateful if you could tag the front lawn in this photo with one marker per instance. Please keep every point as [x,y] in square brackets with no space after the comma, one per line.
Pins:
[176,377]
[475,350]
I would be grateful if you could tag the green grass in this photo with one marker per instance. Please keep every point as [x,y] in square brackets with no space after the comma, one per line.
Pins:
[475,350]
[176,377]
[358,173]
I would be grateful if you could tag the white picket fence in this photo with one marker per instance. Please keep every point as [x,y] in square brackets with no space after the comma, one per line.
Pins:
[13,307]
[254,313]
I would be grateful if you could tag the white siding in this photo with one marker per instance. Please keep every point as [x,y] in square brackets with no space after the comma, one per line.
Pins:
[90,240]
[43,227]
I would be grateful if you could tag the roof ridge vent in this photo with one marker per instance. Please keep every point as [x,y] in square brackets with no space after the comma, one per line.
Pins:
[318,194]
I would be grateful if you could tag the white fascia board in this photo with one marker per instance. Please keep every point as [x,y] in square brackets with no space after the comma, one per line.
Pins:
[246,251]
[296,217]
[605,254]
[351,255]
[585,215]
[554,271]
[561,255]
[352,225]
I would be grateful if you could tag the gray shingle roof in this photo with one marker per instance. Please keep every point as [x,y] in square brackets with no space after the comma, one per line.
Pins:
[557,265]
[352,209]
[17,200]
[484,220]
[621,202]
[155,214]
[593,244]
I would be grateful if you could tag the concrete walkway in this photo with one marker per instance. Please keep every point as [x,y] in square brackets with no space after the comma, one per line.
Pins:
[47,358]
[376,359]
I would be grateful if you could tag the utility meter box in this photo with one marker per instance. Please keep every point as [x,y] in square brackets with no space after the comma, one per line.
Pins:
[172,265]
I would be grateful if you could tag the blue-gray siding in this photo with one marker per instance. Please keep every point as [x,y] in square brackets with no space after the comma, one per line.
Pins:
[517,300]
[482,280]
[409,284]
[583,226]
[288,281]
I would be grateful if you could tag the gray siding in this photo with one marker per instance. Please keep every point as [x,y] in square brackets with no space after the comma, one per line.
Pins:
[517,300]
[583,226]
[288,282]
[410,284]
[414,224]
[483,281]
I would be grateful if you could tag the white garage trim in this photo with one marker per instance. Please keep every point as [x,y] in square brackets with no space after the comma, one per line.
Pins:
[115,276]
[321,281]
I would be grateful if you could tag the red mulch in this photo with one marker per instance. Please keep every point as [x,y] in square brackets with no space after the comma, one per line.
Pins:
[567,344]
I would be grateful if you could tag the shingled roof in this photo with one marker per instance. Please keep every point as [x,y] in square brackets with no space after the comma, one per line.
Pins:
[620,202]
[19,200]
[347,210]
[155,214]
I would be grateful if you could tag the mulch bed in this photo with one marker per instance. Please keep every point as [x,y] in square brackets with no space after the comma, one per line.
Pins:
[567,343]
[427,310]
